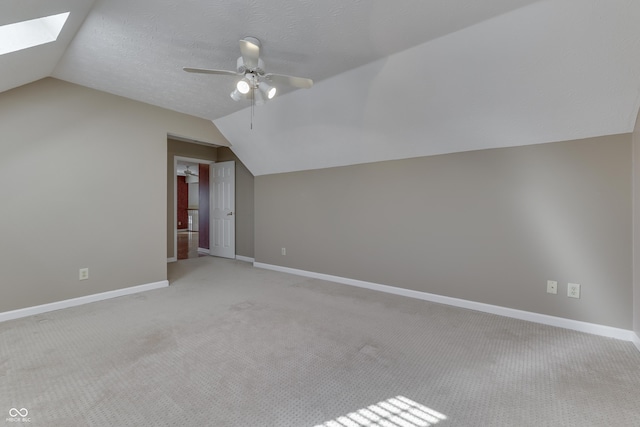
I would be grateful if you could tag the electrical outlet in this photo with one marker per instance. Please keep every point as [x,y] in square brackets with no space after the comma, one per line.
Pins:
[552,287]
[284,251]
[573,290]
[84,274]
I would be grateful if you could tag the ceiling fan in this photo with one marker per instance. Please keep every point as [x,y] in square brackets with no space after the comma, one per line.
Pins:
[254,84]
[188,171]
[190,177]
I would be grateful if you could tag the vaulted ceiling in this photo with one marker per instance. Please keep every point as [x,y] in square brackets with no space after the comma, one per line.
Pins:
[394,79]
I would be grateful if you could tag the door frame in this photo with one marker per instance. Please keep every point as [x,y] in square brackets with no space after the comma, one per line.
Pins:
[174,258]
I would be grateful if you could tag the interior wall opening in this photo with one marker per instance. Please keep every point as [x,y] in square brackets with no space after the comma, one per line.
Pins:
[192,208]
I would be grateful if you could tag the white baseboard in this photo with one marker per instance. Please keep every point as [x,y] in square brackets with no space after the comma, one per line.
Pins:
[576,325]
[172,259]
[58,305]
[636,341]
[203,251]
[244,258]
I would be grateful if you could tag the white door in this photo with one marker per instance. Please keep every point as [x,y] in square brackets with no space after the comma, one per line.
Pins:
[223,205]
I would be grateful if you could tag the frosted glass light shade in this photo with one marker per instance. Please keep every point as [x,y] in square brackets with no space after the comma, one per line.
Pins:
[243,86]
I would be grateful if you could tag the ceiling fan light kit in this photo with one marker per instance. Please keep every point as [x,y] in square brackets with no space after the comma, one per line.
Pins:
[267,90]
[244,85]
[236,95]
[253,83]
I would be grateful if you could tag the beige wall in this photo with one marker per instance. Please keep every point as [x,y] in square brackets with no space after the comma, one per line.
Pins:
[83,185]
[244,203]
[490,226]
[182,149]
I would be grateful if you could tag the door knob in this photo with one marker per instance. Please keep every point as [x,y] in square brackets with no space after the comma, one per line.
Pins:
[230,213]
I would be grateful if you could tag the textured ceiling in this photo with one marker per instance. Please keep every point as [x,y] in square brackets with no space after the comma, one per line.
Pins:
[137,48]
[551,71]
[394,79]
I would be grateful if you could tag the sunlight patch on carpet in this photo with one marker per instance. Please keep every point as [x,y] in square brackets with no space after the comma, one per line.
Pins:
[397,411]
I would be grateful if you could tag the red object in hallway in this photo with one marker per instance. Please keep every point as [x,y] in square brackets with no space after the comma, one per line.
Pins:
[203,207]
[182,220]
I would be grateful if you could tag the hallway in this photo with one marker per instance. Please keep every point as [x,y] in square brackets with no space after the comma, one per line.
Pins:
[188,245]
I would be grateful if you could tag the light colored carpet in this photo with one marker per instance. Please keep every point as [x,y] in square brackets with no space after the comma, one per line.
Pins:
[231,345]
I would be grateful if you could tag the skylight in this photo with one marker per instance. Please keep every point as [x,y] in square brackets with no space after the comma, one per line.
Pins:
[26,34]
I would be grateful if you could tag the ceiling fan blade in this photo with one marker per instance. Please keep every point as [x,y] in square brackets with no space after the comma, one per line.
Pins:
[250,53]
[300,82]
[206,71]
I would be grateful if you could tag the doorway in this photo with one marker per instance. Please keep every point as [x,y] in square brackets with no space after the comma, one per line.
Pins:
[192,207]
[204,208]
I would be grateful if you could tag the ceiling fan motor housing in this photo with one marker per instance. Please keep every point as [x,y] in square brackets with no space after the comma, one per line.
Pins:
[242,69]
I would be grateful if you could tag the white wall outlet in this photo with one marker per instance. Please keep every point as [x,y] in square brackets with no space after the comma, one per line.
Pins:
[552,287]
[573,290]
[284,251]
[84,274]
